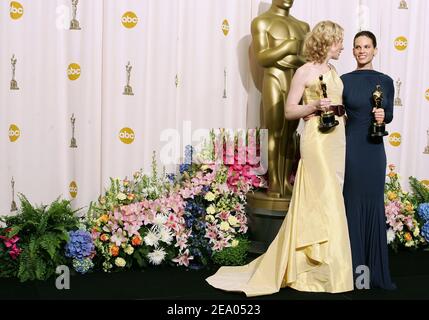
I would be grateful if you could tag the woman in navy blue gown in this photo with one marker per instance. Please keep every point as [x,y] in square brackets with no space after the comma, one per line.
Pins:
[366,163]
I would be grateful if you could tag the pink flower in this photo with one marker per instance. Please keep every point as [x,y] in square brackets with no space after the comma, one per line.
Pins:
[183,260]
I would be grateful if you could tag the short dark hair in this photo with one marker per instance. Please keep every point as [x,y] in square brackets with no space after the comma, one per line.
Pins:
[367,34]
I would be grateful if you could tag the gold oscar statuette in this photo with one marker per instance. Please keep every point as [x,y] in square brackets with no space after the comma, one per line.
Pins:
[398,101]
[403,4]
[378,129]
[13,206]
[327,117]
[74,23]
[128,90]
[73,139]
[13,82]
[427,145]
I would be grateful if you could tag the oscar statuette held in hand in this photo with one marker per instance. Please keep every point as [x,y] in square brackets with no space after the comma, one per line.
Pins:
[327,117]
[378,129]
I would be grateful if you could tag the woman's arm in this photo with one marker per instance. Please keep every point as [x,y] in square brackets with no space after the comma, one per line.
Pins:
[294,110]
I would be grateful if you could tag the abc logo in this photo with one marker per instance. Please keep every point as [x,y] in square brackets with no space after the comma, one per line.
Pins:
[426,183]
[395,139]
[225,27]
[129,19]
[73,71]
[401,43]
[14,133]
[126,135]
[73,189]
[427,94]
[16,10]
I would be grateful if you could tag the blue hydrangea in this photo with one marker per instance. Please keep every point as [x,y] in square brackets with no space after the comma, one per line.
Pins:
[80,245]
[423,211]
[82,265]
[425,231]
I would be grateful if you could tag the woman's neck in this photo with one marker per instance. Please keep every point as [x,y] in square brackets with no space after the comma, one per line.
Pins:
[367,66]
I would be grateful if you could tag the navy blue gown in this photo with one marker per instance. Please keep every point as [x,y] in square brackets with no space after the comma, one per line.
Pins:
[365,175]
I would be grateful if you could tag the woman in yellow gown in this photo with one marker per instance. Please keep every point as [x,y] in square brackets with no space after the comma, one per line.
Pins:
[311,251]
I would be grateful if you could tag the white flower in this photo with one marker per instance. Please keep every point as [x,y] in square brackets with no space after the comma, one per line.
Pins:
[157,256]
[120,262]
[129,250]
[159,220]
[210,218]
[121,196]
[211,210]
[233,221]
[390,235]
[234,243]
[166,236]
[209,196]
[224,226]
[151,239]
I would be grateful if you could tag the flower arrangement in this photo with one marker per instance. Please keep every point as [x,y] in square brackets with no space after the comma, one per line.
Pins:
[139,220]
[404,224]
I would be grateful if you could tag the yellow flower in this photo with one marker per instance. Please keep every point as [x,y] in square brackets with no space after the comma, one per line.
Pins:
[211,210]
[409,207]
[234,243]
[233,221]
[224,226]
[120,262]
[129,250]
[210,218]
[391,195]
[209,196]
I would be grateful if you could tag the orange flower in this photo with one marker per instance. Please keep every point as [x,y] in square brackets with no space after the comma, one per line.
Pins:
[114,251]
[104,218]
[136,241]
[104,237]
[131,196]
[391,174]
[408,236]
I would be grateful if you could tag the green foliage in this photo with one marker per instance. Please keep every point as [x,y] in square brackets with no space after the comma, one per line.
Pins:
[421,192]
[233,256]
[44,232]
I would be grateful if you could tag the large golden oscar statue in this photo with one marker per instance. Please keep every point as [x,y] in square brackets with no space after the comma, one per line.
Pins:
[277,41]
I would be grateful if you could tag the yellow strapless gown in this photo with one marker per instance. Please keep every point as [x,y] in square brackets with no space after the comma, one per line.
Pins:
[311,251]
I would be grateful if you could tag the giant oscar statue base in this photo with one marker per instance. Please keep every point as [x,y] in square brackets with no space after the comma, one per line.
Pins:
[277,40]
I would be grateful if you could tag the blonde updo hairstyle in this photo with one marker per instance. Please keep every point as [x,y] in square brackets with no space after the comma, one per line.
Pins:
[318,41]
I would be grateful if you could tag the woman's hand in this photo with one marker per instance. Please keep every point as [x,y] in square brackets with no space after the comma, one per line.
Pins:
[319,105]
[324,104]
[378,114]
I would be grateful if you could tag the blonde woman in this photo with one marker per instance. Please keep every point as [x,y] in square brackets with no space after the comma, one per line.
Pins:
[311,251]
